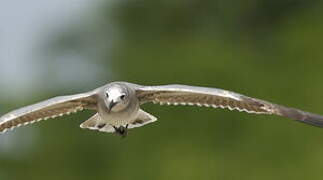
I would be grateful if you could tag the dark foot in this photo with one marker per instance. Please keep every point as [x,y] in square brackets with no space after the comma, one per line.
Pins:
[122,130]
[100,126]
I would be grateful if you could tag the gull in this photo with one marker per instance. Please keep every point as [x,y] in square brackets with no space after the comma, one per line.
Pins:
[117,106]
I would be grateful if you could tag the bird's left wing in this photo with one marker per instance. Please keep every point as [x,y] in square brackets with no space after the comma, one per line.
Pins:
[50,108]
[213,97]
[202,96]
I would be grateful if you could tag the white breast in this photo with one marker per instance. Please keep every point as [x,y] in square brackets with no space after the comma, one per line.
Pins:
[117,118]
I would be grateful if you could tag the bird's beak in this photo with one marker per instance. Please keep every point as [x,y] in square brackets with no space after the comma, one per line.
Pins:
[111,105]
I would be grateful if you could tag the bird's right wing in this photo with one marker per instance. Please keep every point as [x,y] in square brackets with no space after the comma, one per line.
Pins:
[50,108]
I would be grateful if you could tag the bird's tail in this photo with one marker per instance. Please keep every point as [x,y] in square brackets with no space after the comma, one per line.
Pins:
[301,116]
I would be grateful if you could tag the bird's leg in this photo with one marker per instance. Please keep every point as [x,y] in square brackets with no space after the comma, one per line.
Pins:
[122,130]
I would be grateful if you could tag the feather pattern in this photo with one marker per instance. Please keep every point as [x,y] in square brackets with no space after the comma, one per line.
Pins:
[207,97]
[48,109]
[218,98]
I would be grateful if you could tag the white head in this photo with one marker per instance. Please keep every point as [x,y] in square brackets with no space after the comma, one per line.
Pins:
[117,98]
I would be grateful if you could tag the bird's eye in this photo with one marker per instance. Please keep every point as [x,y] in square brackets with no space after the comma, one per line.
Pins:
[107,95]
[123,97]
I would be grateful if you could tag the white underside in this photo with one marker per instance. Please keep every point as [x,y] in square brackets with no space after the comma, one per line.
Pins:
[96,121]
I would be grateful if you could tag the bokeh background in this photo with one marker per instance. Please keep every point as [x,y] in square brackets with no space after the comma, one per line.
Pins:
[270,49]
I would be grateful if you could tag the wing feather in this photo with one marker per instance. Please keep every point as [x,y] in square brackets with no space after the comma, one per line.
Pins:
[51,108]
[218,98]
[201,96]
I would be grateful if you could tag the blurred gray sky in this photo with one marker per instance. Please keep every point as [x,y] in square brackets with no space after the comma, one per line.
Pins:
[25,28]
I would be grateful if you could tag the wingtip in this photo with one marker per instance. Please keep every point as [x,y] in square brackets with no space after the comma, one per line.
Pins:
[302,116]
[82,126]
[314,120]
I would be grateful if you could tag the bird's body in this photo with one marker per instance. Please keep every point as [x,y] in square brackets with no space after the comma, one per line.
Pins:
[118,106]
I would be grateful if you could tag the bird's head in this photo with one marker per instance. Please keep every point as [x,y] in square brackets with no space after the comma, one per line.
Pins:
[117,98]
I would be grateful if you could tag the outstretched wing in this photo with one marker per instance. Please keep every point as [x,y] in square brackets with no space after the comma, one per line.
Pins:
[213,97]
[50,108]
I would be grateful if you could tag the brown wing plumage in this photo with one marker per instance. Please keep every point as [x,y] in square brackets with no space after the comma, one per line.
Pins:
[218,98]
[44,110]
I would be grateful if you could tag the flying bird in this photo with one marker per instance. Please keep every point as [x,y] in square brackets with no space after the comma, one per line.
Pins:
[117,106]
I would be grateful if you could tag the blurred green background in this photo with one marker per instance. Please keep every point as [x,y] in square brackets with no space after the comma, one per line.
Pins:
[269,49]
